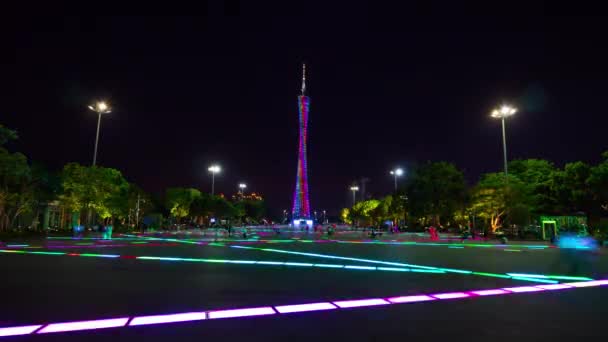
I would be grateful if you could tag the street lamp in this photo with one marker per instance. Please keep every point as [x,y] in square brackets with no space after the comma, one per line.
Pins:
[242,187]
[397,173]
[213,169]
[502,113]
[354,189]
[101,108]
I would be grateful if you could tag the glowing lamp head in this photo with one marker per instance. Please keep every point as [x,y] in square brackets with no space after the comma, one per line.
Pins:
[397,172]
[100,107]
[503,112]
[214,169]
[242,186]
[354,188]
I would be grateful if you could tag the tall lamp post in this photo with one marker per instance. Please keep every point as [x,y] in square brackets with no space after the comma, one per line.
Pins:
[354,189]
[242,187]
[397,173]
[213,169]
[100,108]
[502,113]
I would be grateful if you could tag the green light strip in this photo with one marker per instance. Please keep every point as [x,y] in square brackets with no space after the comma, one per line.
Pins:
[568,277]
[492,275]
[537,280]
[440,269]
[457,245]
[48,253]
[413,268]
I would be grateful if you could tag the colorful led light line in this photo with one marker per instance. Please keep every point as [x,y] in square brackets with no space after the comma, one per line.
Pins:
[411,266]
[453,245]
[280,310]
[402,265]
[404,243]
[515,276]
[223,261]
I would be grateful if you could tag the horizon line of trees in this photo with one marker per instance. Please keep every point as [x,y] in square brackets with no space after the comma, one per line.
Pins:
[99,195]
[436,193]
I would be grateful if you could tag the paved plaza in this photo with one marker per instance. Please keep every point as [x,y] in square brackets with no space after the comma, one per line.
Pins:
[200,287]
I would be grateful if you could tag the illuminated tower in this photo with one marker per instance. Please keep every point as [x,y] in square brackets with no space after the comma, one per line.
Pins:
[301,206]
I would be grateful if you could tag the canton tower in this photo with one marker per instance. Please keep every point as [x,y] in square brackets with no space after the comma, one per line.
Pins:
[301,205]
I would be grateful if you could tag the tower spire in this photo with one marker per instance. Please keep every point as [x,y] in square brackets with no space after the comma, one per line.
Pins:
[303,79]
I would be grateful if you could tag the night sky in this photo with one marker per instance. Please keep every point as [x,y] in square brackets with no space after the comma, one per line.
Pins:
[387,89]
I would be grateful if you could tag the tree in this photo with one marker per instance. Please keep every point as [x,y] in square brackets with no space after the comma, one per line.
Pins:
[598,183]
[6,135]
[16,187]
[345,216]
[223,209]
[398,207]
[361,212]
[571,188]
[537,176]
[435,191]
[95,188]
[179,200]
[254,209]
[493,196]
[382,211]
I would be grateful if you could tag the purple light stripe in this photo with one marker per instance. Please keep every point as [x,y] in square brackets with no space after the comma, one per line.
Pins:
[173,318]
[360,302]
[267,310]
[555,286]
[451,295]
[410,299]
[521,289]
[23,330]
[304,307]
[589,283]
[490,292]
[191,316]
[84,325]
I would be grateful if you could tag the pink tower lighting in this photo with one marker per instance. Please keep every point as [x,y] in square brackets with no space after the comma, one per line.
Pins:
[301,205]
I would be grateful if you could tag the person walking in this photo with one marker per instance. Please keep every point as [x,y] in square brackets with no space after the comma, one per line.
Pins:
[109,231]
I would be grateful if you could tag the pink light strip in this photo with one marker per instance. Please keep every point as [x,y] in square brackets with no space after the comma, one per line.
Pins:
[23,330]
[521,289]
[490,292]
[410,299]
[360,302]
[158,319]
[84,325]
[554,286]
[451,295]
[589,283]
[305,307]
[267,310]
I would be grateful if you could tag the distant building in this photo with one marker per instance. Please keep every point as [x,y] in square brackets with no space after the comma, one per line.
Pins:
[240,196]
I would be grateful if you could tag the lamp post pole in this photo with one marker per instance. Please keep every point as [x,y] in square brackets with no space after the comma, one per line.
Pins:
[504,147]
[396,172]
[99,108]
[502,113]
[213,169]
[354,189]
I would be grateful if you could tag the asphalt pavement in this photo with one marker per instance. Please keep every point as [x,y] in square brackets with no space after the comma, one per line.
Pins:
[39,288]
